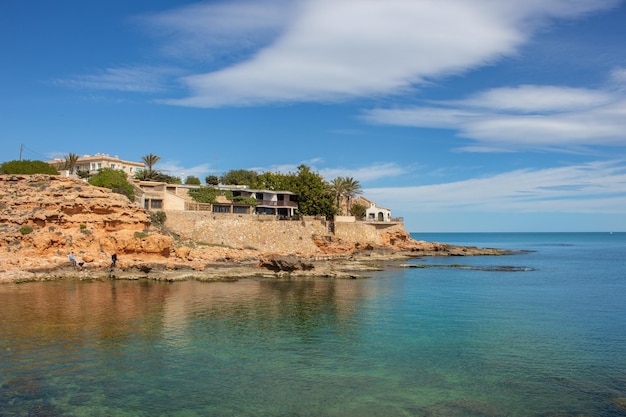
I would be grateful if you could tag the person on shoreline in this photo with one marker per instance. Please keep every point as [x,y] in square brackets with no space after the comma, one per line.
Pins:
[72,259]
[113,260]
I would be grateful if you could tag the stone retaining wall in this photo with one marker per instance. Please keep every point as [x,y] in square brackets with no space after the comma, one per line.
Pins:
[246,231]
[366,233]
[270,234]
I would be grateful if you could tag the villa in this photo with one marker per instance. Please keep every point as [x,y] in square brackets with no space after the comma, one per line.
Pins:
[162,196]
[93,163]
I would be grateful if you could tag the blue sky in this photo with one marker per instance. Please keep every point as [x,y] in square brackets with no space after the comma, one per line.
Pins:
[458,115]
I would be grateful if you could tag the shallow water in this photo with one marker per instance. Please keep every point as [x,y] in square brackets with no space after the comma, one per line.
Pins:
[549,339]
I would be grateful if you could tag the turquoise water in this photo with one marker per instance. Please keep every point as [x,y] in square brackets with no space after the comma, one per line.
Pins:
[549,340]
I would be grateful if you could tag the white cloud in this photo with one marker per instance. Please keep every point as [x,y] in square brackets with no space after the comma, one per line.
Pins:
[362,174]
[595,187]
[174,169]
[342,49]
[527,117]
[203,31]
[367,173]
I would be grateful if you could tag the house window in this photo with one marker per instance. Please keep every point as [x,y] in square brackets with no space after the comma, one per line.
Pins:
[112,166]
[221,209]
[241,209]
[156,204]
[93,166]
[99,165]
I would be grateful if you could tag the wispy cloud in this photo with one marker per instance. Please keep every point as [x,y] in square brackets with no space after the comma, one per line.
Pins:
[527,117]
[174,168]
[367,173]
[328,50]
[595,187]
[207,31]
[124,78]
[363,174]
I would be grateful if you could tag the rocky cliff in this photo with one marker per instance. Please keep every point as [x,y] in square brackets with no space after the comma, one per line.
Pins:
[43,218]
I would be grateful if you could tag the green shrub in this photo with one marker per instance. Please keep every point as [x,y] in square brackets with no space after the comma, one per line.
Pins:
[82,226]
[116,180]
[141,235]
[204,195]
[26,229]
[157,218]
[27,167]
[245,200]
[192,180]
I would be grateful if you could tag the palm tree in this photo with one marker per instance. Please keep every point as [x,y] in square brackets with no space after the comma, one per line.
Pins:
[351,188]
[337,188]
[150,160]
[70,162]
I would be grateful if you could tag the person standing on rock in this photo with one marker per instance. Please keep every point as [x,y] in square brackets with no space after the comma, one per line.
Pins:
[72,259]
[113,260]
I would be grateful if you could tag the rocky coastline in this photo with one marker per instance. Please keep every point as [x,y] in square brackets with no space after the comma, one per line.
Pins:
[43,218]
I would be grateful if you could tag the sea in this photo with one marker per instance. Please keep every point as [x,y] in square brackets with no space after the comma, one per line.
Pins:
[541,332]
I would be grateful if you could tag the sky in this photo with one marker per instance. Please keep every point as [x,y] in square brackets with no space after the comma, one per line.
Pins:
[458,115]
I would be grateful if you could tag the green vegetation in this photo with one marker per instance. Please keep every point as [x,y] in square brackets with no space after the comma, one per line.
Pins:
[150,160]
[115,180]
[212,180]
[191,180]
[239,177]
[26,229]
[314,195]
[209,194]
[344,189]
[157,218]
[70,162]
[358,210]
[245,200]
[27,167]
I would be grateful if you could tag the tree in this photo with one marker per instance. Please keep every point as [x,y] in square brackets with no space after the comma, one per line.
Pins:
[71,160]
[239,177]
[191,180]
[116,180]
[314,198]
[212,180]
[337,188]
[27,167]
[358,210]
[352,188]
[150,160]
[275,181]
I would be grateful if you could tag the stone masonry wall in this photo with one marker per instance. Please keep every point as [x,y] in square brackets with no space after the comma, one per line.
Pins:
[363,232]
[270,234]
[246,231]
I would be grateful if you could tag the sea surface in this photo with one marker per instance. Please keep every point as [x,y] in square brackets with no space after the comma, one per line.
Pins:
[539,333]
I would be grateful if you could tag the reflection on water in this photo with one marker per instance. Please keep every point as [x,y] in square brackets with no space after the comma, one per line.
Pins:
[399,344]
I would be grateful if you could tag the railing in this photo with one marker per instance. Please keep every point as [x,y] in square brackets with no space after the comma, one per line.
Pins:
[273,203]
[198,206]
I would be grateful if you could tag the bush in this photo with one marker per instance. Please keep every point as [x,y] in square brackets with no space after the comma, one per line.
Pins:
[245,200]
[27,167]
[26,229]
[191,180]
[115,180]
[157,218]
[204,195]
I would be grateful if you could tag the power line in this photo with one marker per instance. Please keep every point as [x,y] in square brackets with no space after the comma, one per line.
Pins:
[31,151]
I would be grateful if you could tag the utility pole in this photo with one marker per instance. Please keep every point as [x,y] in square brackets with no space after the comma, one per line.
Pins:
[21,148]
